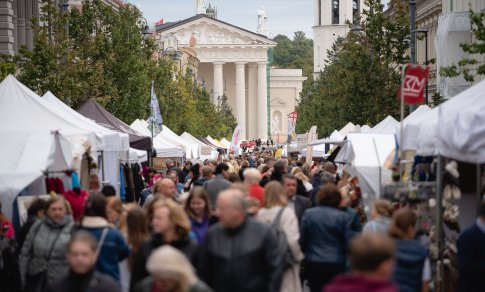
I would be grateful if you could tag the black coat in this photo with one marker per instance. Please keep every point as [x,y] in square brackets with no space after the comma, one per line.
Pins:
[242,259]
[301,204]
[139,272]
[92,282]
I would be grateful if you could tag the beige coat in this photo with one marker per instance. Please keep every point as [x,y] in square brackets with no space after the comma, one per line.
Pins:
[289,225]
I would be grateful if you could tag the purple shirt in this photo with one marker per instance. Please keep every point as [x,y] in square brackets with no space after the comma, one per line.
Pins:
[200,229]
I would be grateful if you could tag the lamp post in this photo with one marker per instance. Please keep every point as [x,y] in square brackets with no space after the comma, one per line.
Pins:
[425,32]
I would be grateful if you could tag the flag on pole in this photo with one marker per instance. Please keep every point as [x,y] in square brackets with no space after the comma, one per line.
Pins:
[292,126]
[414,84]
[156,116]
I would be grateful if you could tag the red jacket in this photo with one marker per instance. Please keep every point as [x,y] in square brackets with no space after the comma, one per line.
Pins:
[354,283]
[257,192]
[77,202]
[7,229]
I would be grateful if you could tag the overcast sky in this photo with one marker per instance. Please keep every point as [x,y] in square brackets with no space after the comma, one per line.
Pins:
[285,16]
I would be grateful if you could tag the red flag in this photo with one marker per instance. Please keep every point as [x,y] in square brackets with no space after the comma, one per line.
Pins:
[413,84]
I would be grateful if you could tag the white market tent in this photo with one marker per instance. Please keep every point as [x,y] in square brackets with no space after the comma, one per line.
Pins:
[386,126]
[225,142]
[214,142]
[203,148]
[116,144]
[365,155]
[410,125]
[461,131]
[163,147]
[29,146]
[168,135]
[347,129]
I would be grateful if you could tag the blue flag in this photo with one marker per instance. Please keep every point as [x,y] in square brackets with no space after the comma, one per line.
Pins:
[156,116]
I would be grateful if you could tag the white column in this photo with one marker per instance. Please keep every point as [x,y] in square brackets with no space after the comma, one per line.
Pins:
[262,102]
[241,96]
[252,112]
[218,81]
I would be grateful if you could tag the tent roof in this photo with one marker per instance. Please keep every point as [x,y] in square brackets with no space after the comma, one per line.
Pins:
[208,142]
[386,126]
[225,142]
[409,133]
[91,109]
[347,129]
[114,141]
[461,131]
[163,147]
[219,145]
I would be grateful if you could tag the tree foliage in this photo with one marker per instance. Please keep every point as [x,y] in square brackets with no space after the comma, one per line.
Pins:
[361,75]
[102,54]
[295,54]
[470,66]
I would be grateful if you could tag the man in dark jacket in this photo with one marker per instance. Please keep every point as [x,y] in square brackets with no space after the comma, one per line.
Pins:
[295,201]
[218,183]
[371,256]
[241,254]
[471,256]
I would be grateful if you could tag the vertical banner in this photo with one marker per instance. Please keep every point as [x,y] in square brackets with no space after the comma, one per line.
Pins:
[236,138]
[155,116]
[292,126]
[312,136]
[413,84]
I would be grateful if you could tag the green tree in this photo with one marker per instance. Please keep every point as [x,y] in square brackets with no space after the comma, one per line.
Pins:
[361,75]
[470,66]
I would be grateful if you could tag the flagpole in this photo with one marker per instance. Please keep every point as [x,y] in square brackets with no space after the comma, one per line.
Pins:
[152,119]
[401,152]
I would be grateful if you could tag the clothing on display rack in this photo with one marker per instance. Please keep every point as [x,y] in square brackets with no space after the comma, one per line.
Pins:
[55,185]
[122,184]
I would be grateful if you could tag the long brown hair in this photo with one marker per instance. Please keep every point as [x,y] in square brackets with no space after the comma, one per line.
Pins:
[402,220]
[201,193]
[274,195]
[177,215]
[137,230]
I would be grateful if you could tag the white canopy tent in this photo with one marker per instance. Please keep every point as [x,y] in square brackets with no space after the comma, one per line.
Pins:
[225,142]
[386,126]
[167,135]
[164,148]
[410,125]
[461,131]
[365,155]
[27,124]
[203,148]
[214,142]
[116,144]
[347,129]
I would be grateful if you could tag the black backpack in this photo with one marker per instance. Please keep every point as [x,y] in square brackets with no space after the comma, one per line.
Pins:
[283,246]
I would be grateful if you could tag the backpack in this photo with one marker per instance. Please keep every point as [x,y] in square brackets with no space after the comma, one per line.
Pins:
[283,246]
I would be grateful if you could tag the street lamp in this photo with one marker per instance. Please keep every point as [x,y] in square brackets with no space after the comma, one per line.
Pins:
[357,28]
[425,32]
[146,28]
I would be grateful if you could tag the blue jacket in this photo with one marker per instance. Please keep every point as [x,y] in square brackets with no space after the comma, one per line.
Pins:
[324,234]
[471,260]
[408,271]
[114,248]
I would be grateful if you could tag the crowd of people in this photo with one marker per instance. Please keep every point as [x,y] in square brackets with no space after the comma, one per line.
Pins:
[248,223]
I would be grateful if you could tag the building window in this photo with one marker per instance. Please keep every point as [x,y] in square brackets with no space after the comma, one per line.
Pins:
[319,12]
[335,11]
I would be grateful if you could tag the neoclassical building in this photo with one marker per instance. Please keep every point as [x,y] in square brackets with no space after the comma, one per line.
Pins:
[232,61]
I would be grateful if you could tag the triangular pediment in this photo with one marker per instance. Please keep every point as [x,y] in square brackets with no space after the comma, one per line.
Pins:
[211,32]
[277,103]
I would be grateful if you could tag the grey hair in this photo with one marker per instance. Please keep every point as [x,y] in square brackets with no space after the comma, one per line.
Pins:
[327,177]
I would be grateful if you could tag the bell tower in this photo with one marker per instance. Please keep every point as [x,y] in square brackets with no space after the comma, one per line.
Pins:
[330,17]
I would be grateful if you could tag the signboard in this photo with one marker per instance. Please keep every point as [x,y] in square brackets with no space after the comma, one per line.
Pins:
[413,84]
[301,141]
[312,136]
[205,150]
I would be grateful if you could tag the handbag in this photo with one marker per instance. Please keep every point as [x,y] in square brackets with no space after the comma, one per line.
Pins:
[38,281]
[283,246]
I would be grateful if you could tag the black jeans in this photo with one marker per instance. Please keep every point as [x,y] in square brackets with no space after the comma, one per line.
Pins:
[319,274]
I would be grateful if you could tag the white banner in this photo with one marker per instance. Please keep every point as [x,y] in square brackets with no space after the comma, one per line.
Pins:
[236,138]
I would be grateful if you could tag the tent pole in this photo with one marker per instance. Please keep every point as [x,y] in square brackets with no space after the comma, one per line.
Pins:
[439,221]
[478,175]
[401,152]
[102,165]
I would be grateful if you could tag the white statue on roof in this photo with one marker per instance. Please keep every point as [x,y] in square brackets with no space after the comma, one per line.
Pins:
[262,17]
[199,7]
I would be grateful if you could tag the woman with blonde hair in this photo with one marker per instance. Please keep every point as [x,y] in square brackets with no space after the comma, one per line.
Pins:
[381,218]
[412,270]
[176,274]
[114,211]
[171,226]
[275,205]
[298,173]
